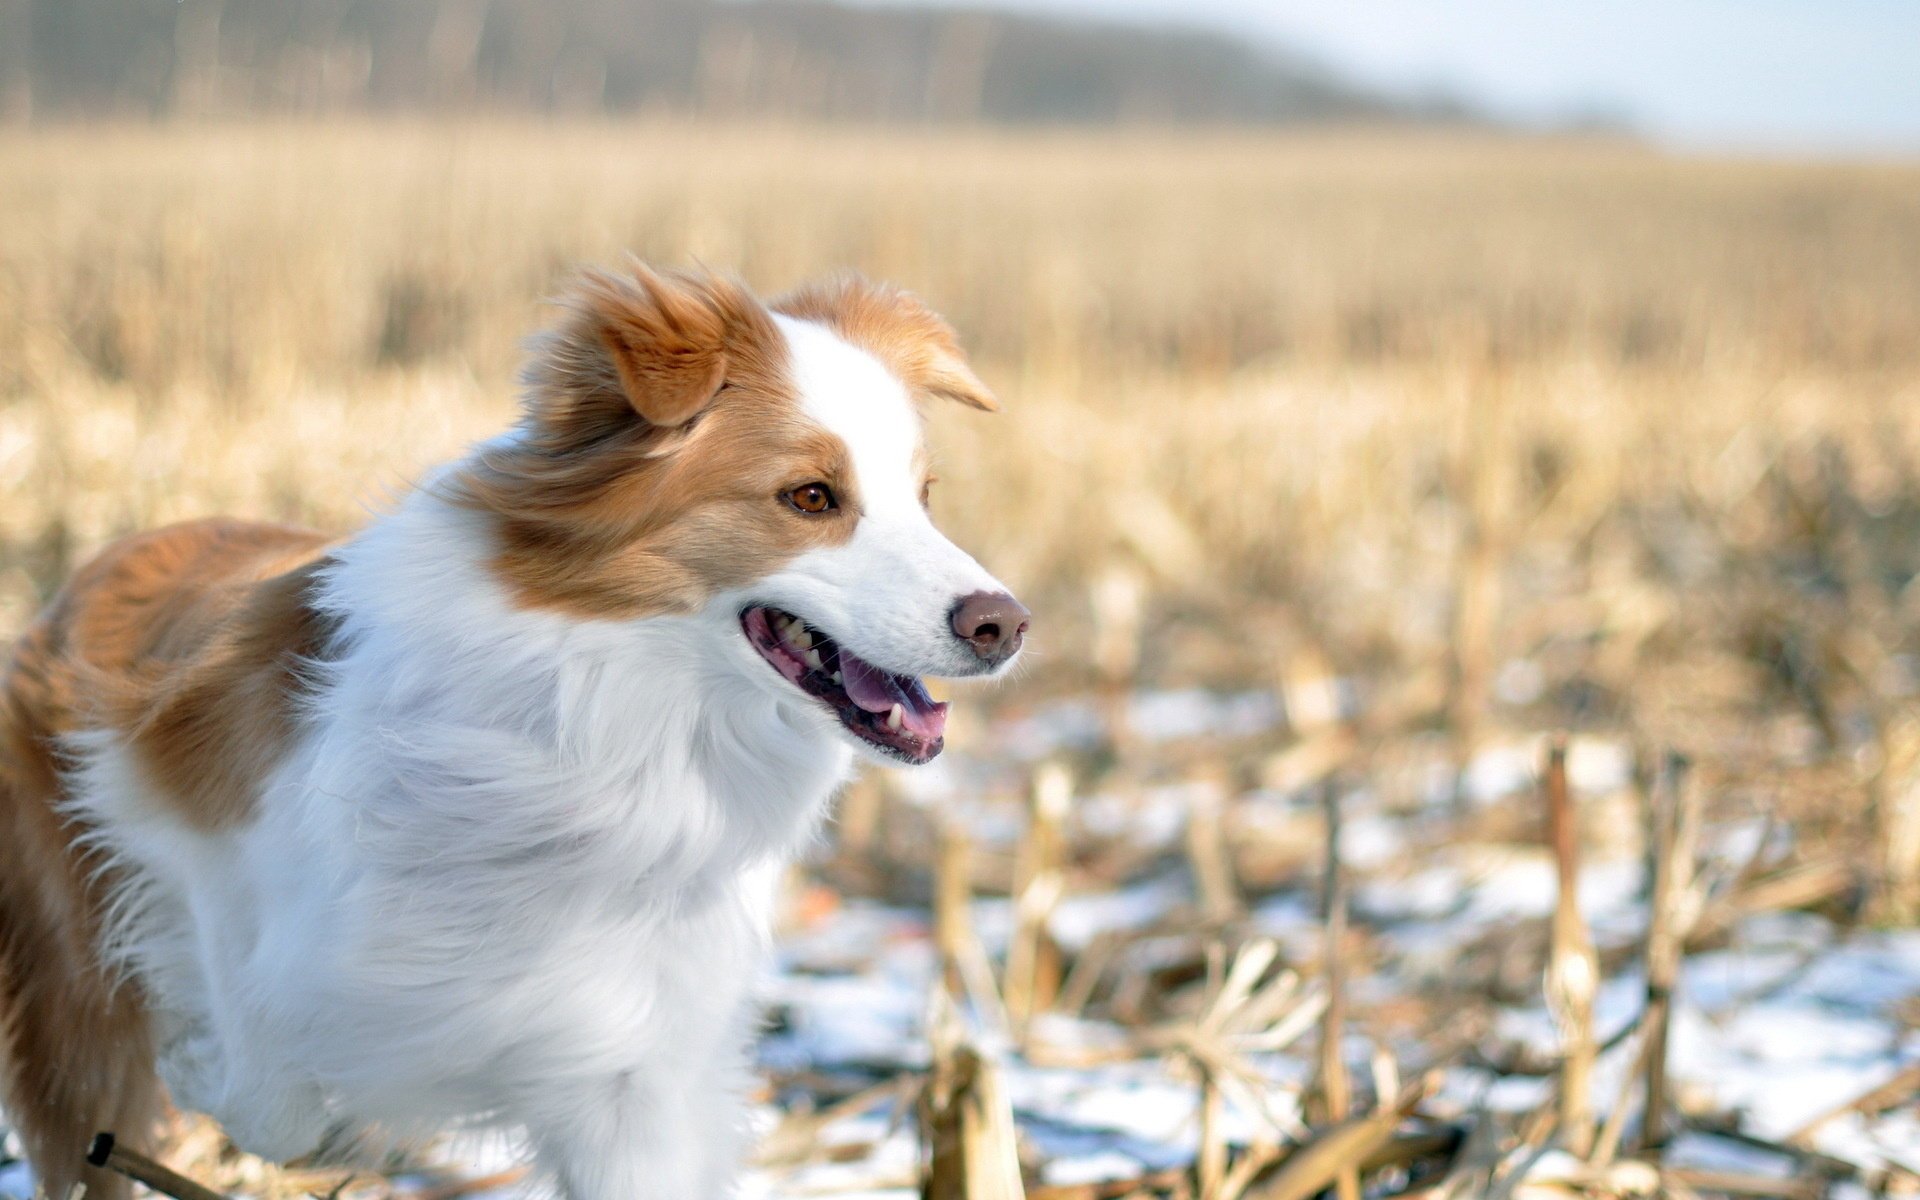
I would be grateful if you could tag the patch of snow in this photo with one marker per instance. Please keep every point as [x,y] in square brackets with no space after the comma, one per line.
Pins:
[838,1019]
[1370,841]
[1787,1032]
[1426,894]
[1781,1064]
[1597,766]
[1499,771]
[848,939]
[1061,725]
[1706,1152]
[1194,712]
[1716,980]
[1517,1093]
[1784,930]
[17,1181]
[1872,972]
[1892,1140]
[1097,1167]
[1083,916]
[934,784]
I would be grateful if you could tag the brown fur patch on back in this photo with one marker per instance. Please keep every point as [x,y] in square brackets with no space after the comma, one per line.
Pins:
[892,324]
[209,734]
[602,511]
[188,642]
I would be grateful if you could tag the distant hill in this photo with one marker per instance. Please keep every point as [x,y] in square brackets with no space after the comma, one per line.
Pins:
[805,58]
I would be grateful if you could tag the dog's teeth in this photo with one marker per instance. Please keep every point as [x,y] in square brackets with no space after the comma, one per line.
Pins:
[813,660]
[895,716]
[802,640]
[837,677]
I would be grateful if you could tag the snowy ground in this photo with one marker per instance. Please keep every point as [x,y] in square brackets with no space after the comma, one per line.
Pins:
[1789,1019]
[1786,1016]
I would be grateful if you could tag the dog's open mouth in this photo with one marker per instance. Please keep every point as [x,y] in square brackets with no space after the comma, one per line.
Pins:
[890,711]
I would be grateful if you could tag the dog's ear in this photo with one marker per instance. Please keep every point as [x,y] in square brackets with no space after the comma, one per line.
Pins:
[896,327]
[664,336]
[948,376]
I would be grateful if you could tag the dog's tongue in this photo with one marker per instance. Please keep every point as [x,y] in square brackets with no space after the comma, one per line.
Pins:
[878,691]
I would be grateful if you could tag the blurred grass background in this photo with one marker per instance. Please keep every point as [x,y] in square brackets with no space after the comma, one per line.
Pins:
[1297,388]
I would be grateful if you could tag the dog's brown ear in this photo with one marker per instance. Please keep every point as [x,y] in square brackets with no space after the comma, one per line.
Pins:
[665,336]
[896,327]
[949,377]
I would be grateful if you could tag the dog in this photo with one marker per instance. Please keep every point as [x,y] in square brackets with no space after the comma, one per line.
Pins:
[472,819]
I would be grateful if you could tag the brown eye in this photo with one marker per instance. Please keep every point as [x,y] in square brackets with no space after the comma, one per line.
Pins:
[813,498]
[926,492]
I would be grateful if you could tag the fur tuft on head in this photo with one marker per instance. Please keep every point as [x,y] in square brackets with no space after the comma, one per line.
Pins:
[665,336]
[649,343]
[896,327]
[635,359]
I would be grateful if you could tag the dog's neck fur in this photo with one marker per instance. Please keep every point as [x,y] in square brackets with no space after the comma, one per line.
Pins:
[634,742]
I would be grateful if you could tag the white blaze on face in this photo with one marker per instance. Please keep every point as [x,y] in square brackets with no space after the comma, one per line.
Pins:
[851,395]
[889,593]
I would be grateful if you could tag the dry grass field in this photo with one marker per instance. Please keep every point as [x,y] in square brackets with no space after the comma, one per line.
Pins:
[1484,437]
[1270,369]
[1311,372]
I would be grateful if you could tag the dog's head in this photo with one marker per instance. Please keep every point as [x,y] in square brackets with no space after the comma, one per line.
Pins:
[689,450]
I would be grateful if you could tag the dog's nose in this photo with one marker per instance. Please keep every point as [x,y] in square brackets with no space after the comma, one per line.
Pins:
[992,623]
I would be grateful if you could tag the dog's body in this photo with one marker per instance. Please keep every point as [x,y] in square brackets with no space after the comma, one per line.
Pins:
[473,817]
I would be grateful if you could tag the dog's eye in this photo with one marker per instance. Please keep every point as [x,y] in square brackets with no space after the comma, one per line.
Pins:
[926,492]
[813,498]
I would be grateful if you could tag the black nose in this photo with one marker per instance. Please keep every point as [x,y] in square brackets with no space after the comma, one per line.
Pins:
[992,623]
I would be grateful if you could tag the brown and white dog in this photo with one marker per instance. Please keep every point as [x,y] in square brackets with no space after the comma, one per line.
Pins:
[469,818]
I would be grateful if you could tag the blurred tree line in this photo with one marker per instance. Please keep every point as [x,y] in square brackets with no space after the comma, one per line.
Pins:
[804,58]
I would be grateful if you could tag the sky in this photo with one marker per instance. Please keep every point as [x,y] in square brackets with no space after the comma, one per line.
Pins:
[1840,76]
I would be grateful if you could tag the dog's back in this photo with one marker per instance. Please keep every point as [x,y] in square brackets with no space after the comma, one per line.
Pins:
[156,639]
